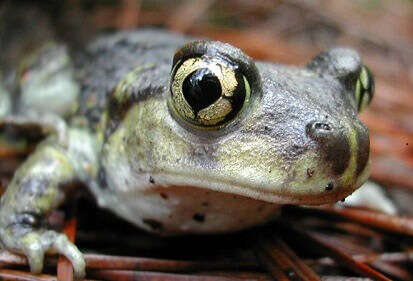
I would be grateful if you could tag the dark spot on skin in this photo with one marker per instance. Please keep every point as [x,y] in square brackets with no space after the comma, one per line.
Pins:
[164,196]
[199,217]
[363,142]
[260,208]
[205,204]
[154,224]
[329,186]
[310,172]
[151,180]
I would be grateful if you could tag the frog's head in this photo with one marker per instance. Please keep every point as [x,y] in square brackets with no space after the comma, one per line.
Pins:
[220,121]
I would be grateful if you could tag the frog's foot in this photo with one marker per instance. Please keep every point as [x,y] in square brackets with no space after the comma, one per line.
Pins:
[35,244]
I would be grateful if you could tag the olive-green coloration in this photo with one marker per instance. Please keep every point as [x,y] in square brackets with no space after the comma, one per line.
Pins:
[180,136]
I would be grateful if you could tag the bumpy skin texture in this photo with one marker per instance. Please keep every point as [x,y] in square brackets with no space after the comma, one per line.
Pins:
[298,140]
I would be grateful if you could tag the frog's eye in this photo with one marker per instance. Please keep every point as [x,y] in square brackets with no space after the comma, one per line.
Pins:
[208,92]
[364,89]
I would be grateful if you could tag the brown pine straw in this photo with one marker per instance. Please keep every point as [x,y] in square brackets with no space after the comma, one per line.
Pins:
[121,275]
[399,224]
[96,261]
[349,246]
[331,251]
[272,251]
[281,261]
[367,258]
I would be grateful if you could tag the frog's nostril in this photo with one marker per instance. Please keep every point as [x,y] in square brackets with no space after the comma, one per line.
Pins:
[318,130]
[333,144]
[322,126]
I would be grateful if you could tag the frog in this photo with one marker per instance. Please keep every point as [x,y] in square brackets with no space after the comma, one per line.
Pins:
[180,135]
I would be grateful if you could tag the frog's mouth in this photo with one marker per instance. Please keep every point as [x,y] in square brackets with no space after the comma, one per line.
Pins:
[289,182]
[316,195]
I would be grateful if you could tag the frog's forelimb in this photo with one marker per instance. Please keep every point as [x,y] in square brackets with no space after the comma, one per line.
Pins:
[39,186]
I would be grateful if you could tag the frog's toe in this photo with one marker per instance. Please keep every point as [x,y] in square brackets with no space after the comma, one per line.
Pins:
[35,257]
[33,249]
[63,246]
[34,245]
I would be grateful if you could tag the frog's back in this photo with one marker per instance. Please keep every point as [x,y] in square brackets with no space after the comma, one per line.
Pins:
[110,58]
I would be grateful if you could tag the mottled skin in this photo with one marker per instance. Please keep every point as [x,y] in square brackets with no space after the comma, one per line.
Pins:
[298,140]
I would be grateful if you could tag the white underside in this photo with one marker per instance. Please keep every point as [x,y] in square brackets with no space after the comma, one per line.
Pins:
[184,209]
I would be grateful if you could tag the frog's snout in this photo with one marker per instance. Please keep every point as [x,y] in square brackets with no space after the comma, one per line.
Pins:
[334,144]
[345,148]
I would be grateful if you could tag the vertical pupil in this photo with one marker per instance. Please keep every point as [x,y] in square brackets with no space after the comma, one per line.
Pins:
[201,88]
